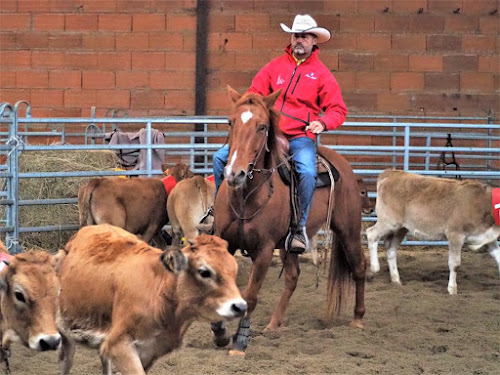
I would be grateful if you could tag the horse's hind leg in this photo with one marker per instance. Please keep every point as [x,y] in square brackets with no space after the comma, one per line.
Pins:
[292,272]
[357,262]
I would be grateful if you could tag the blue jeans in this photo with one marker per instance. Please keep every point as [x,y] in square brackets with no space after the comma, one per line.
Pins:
[304,151]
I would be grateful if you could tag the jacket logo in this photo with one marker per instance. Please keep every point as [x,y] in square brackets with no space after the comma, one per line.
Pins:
[311,75]
[280,81]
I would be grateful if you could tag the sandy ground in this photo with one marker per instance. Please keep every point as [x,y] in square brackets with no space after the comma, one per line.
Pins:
[414,329]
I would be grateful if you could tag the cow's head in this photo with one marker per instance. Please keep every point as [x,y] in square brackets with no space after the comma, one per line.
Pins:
[28,290]
[179,171]
[367,205]
[207,286]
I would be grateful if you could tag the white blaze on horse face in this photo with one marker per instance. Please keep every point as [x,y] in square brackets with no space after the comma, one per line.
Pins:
[230,166]
[245,116]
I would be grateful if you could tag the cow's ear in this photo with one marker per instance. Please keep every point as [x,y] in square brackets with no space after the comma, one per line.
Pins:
[3,275]
[57,260]
[174,260]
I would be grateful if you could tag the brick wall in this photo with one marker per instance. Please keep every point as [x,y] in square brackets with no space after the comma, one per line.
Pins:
[416,57]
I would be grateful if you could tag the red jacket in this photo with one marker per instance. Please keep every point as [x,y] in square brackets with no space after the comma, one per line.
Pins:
[308,92]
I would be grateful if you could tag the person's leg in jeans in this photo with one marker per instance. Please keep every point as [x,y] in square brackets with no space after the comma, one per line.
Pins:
[219,161]
[303,150]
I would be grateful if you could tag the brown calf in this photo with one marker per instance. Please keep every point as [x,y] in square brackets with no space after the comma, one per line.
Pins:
[117,294]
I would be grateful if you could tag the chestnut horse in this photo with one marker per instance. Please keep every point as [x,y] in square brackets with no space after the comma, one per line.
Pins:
[252,213]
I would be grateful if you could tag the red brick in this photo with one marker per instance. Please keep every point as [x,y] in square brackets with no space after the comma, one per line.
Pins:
[357,23]
[252,22]
[228,60]
[330,21]
[33,5]
[355,62]
[229,42]
[388,102]
[15,21]
[222,23]
[442,82]
[8,40]
[300,6]
[162,5]
[345,42]
[148,60]
[374,42]
[14,95]
[113,98]
[408,6]
[8,5]
[7,79]
[132,41]
[409,42]
[181,22]
[180,61]
[489,64]
[16,59]
[146,99]
[460,63]
[115,22]
[440,42]
[268,41]
[48,21]
[340,6]
[426,23]
[189,42]
[479,6]
[65,41]
[460,23]
[218,100]
[240,81]
[98,41]
[179,99]
[389,22]
[27,78]
[360,102]
[391,63]
[45,59]
[30,41]
[46,98]
[148,22]
[98,79]
[168,81]
[331,60]
[130,80]
[99,6]
[166,41]
[81,22]
[477,82]
[425,63]
[489,24]
[112,61]
[81,60]
[67,79]
[428,102]
[370,81]
[58,112]
[407,81]
[65,6]
[346,80]
[479,43]
[444,6]
[80,98]
[268,5]
[131,6]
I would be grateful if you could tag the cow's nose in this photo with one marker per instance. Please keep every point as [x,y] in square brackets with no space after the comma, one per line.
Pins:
[50,342]
[239,308]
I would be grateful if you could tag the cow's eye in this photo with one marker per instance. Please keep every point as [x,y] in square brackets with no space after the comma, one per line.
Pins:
[20,297]
[204,273]
[363,193]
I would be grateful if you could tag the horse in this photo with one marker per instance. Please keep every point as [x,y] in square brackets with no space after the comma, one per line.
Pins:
[252,212]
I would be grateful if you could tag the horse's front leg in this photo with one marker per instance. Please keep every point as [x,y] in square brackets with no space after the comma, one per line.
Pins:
[292,273]
[260,266]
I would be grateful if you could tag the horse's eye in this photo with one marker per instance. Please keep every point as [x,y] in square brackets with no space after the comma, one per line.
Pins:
[363,193]
[262,128]
[20,297]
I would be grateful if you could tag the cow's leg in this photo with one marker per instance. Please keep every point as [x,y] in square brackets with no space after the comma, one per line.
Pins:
[455,243]
[122,353]
[66,354]
[292,272]
[494,251]
[260,266]
[374,234]
[392,243]
[106,366]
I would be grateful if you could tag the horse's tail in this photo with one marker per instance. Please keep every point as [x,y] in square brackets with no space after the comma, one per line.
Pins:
[340,282]
[84,197]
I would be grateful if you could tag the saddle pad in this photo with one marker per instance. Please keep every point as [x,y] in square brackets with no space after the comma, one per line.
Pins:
[495,203]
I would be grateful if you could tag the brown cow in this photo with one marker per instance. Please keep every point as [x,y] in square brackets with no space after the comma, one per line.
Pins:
[117,294]
[432,208]
[138,205]
[187,204]
[28,302]
[179,171]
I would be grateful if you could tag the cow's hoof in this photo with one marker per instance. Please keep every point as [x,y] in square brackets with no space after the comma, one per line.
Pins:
[237,353]
[357,323]
[221,341]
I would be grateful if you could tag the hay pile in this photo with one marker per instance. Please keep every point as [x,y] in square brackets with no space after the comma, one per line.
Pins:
[52,188]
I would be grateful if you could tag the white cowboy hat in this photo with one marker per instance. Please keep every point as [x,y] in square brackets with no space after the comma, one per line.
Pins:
[304,23]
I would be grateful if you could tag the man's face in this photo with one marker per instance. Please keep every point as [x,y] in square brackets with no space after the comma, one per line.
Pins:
[302,44]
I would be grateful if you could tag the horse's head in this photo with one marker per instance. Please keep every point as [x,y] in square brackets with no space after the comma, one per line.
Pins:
[253,134]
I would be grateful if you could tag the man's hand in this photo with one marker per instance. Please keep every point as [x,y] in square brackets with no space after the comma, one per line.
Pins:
[315,127]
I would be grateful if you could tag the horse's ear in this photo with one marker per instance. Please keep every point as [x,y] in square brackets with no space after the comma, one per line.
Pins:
[233,94]
[271,98]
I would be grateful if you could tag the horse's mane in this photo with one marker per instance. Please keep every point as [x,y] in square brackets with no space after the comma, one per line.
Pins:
[277,142]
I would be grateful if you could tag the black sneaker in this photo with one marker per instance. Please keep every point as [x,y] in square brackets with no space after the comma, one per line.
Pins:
[299,242]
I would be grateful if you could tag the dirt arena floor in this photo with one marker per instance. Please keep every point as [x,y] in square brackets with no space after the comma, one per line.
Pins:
[414,329]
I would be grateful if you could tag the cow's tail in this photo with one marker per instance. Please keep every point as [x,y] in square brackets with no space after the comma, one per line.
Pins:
[340,286]
[84,197]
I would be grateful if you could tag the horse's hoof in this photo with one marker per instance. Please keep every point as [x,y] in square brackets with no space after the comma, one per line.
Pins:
[237,353]
[221,341]
[357,323]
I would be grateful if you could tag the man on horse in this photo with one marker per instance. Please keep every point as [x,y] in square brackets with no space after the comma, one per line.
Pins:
[310,103]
